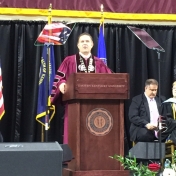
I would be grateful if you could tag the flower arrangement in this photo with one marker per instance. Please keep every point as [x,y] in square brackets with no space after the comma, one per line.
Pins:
[137,169]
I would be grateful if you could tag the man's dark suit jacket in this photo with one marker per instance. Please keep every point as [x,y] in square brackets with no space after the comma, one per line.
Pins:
[139,113]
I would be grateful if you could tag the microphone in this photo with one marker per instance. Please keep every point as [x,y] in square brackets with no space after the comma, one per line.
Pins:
[162,124]
[158,50]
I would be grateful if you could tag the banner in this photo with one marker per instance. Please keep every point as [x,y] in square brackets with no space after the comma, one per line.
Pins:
[44,92]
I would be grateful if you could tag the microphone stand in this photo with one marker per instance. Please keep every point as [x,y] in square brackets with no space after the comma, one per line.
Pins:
[159,94]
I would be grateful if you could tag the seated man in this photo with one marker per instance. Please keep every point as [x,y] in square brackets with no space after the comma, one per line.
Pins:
[144,113]
[169,111]
[169,106]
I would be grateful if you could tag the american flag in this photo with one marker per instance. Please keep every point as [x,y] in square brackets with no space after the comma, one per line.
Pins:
[56,33]
[2,111]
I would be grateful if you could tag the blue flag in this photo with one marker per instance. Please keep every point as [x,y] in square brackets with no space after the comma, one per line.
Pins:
[101,46]
[43,99]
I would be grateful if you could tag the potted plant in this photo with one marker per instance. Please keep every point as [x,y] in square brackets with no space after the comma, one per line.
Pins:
[138,169]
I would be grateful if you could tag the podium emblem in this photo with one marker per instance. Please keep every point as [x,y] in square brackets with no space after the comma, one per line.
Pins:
[99,122]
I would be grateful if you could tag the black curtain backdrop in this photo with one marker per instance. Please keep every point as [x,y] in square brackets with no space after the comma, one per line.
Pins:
[20,61]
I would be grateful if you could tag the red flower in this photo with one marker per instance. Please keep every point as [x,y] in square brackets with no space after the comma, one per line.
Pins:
[154,167]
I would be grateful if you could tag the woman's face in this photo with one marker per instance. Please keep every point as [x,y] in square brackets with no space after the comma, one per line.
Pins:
[174,91]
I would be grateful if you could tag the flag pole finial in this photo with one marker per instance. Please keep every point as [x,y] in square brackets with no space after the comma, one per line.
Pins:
[49,14]
[102,9]
[102,15]
[50,8]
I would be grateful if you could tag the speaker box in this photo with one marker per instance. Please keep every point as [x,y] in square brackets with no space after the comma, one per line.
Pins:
[67,153]
[148,150]
[31,159]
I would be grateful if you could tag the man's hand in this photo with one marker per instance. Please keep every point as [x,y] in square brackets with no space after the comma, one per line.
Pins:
[62,88]
[149,126]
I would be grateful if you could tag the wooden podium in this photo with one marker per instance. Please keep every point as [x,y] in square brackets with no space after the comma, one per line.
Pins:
[96,123]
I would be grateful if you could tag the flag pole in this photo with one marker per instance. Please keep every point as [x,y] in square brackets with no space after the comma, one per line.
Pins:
[47,78]
[102,16]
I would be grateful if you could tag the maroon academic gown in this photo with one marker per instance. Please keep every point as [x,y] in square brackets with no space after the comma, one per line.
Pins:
[71,64]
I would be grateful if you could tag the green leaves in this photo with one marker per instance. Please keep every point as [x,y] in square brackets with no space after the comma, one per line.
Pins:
[131,164]
[174,156]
